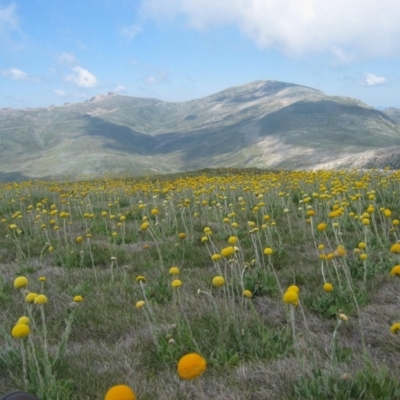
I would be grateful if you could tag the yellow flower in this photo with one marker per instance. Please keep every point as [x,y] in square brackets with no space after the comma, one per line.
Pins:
[23,320]
[120,392]
[227,251]
[291,297]
[40,299]
[78,299]
[321,227]
[395,248]
[140,278]
[215,257]
[20,282]
[176,283]
[343,317]
[30,297]
[395,270]
[42,279]
[174,271]
[247,294]
[365,221]
[294,288]
[395,328]
[140,304]
[268,251]
[20,331]
[328,287]
[232,240]
[79,239]
[182,235]
[191,366]
[218,281]
[144,226]
[340,251]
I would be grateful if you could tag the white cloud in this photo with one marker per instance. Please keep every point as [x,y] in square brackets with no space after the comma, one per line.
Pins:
[59,93]
[67,59]
[119,89]
[8,19]
[372,80]
[15,74]
[151,80]
[130,31]
[82,78]
[365,27]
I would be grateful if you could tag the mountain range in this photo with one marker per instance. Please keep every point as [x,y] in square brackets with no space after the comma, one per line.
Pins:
[264,124]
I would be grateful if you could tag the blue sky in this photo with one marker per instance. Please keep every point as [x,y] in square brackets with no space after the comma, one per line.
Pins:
[57,51]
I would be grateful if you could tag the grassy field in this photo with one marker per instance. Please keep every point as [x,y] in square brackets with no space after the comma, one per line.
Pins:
[286,283]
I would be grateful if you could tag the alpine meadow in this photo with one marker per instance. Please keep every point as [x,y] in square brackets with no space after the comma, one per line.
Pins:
[268,284]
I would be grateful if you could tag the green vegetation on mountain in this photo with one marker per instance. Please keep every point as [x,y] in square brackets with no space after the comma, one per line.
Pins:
[261,124]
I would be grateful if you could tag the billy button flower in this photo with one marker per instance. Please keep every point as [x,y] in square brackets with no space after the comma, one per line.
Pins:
[227,251]
[176,283]
[78,299]
[140,304]
[174,271]
[232,240]
[268,251]
[395,328]
[191,366]
[395,248]
[23,320]
[120,392]
[30,297]
[20,331]
[218,281]
[321,227]
[395,271]
[140,278]
[328,287]
[182,235]
[291,297]
[247,294]
[40,299]
[20,282]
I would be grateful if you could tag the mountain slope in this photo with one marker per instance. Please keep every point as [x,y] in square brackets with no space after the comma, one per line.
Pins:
[262,124]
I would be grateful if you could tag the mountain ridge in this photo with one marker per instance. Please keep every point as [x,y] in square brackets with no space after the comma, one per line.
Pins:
[261,124]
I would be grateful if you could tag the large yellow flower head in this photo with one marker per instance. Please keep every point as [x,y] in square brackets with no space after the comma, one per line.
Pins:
[218,281]
[174,271]
[23,320]
[227,251]
[395,248]
[120,392]
[232,240]
[176,283]
[191,366]
[20,282]
[395,271]
[321,227]
[268,251]
[20,331]
[395,328]
[291,297]
[328,287]
[40,299]
[30,297]
[247,293]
